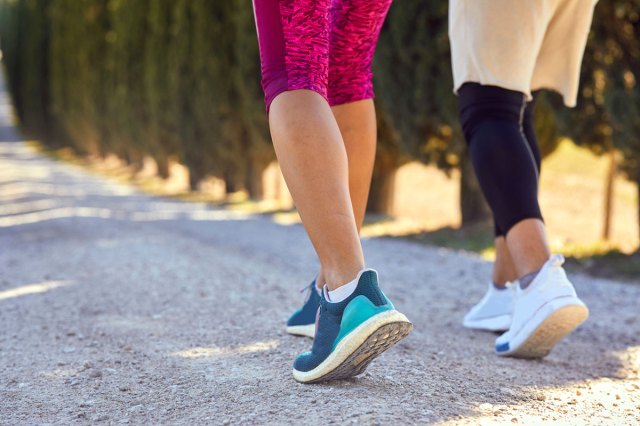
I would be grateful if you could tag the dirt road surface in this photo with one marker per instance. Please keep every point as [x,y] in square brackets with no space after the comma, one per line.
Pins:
[121,308]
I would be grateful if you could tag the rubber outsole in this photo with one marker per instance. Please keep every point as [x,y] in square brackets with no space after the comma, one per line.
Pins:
[356,351]
[553,329]
[302,330]
[498,323]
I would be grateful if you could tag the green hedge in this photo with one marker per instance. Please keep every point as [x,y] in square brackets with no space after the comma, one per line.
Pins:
[166,78]
[180,79]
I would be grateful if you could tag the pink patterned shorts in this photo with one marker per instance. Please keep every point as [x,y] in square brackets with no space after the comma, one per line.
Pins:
[322,45]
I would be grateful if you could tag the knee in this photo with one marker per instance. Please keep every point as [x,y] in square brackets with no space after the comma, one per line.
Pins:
[311,82]
[480,104]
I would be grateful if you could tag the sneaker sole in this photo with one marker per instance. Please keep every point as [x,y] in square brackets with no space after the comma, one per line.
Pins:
[499,323]
[308,330]
[356,350]
[565,316]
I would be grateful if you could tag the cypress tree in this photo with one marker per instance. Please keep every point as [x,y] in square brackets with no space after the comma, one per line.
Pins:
[608,113]
[416,108]
[161,85]
[249,105]
[180,80]
[77,64]
[26,55]
[125,118]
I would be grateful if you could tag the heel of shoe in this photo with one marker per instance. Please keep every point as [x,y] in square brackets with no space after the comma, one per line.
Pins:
[560,319]
[356,351]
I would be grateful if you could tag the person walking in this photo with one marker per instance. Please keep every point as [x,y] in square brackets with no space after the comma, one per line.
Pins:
[316,58]
[501,51]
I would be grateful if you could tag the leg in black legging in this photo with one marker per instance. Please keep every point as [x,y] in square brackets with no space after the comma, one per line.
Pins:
[528,128]
[529,131]
[506,166]
[503,268]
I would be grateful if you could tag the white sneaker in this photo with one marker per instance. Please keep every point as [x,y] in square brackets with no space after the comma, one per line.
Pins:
[543,313]
[493,312]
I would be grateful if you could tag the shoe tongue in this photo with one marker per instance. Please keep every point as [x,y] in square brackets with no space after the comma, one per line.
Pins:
[325,292]
[315,288]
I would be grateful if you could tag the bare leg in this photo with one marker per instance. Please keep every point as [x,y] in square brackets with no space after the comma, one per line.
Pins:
[528,246]
[313,158]
[503,268]
[357,123]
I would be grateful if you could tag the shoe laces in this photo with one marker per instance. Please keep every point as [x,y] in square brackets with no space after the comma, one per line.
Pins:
[308,288]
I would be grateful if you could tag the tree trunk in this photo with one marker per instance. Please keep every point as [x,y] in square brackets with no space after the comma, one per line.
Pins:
[253,180]
[163,166]
[195,176]
[473,207]
[382,194]
[230,182]
[638,200]
[137,165]
[608,195]
[126,156]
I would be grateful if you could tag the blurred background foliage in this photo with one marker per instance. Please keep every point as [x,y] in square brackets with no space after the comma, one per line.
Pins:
[178,80]
[168,79]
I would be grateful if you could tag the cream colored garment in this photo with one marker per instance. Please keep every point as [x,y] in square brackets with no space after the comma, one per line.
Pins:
[520,45]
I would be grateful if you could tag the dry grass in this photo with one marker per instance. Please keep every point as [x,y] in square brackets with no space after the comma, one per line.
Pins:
[571,195]
[426,204]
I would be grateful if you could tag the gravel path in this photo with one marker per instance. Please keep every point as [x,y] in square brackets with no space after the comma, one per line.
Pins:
[117,307]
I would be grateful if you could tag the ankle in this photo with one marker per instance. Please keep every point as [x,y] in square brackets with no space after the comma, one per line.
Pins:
[531,266]
[339,277]
[527,262]
[527,279]
[500,281]
[499,285]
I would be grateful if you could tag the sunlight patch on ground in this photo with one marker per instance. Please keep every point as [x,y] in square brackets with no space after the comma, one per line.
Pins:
[392,227]
[215,352]
[611,400]
[60,373]
[288,218]
[26,207]
[32,289]
[218,215]
[200,215]
[13,173]
[19,190]
[60,213]
[630,364]
[102,213]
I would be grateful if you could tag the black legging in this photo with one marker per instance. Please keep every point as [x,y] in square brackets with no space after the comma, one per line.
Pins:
[498,127]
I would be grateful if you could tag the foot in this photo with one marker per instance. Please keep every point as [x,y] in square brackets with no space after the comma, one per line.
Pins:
[303,321]
[351,333]
[493,312]
[543,313]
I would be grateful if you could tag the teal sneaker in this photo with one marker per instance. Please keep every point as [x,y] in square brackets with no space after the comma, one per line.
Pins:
[303,321]
[351,333]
